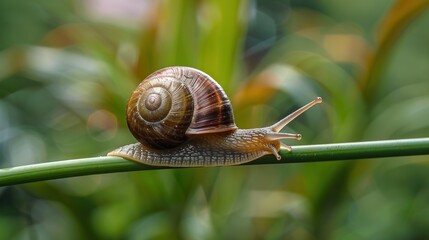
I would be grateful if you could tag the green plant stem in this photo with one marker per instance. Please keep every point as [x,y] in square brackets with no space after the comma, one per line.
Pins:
[299,154]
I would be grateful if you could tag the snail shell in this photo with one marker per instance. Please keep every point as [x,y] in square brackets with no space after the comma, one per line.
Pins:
[176,102]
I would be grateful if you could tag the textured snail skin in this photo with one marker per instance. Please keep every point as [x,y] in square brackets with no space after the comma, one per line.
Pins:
[183,118]
[239,147]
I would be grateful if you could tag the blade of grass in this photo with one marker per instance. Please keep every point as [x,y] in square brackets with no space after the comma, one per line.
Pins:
[300,154]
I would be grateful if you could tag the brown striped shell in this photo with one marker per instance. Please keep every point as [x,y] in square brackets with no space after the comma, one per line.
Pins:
[175,103]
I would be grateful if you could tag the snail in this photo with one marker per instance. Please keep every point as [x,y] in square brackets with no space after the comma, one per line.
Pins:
[183,118]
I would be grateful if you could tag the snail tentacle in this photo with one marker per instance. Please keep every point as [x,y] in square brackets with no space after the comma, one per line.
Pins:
[278,126]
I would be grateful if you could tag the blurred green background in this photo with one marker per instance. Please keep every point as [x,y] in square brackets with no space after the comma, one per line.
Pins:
[68,67]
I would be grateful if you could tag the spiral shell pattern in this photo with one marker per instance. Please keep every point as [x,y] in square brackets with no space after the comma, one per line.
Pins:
[175,103]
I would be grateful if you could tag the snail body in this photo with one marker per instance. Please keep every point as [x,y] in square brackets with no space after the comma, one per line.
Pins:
[183,118]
